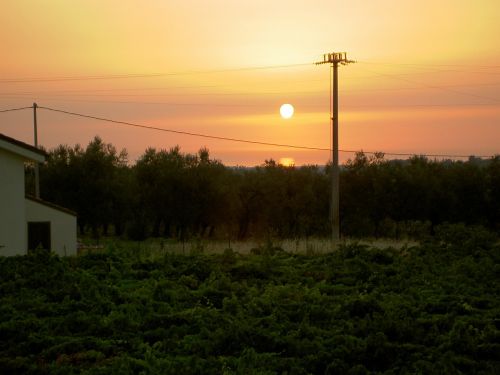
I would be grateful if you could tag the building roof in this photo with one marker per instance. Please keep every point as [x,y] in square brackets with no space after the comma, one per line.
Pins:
[51,205]
[22,149]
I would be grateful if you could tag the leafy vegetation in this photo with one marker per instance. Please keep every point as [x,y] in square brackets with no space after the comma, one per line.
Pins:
[431,308]
[167,193]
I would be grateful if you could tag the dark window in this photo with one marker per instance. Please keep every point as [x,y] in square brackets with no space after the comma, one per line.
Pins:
[39,235]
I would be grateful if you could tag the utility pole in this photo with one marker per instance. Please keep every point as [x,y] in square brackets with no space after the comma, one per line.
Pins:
[335,59]
[37,172]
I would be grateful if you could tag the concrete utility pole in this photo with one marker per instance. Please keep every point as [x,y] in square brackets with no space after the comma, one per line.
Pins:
[335,59]
[37,172]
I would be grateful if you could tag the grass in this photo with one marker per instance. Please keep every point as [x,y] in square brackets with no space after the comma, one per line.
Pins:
[153,247]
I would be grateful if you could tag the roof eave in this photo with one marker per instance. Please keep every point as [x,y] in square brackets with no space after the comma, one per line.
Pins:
[22,149]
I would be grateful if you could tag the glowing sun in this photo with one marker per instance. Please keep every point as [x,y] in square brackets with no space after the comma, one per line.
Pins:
[287,162]
[286,111]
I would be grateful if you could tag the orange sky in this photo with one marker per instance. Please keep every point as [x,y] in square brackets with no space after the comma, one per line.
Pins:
[427,78]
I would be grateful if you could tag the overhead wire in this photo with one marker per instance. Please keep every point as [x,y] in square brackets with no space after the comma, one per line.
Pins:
[434,87]
[240,140]
[235,69]
[111,92]
[181,132]
[145,75]
[253,105]
[211,71]
[436,68]
[428,64]
[170,94]
[168,104]
[393,76]
[14,109]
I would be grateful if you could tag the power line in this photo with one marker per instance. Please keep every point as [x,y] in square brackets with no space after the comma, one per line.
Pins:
[111,92]
[171,104]
[250,105]
[422,88]
[145,93]
[147,75]
[255,105]
[210,71]
[190,87]
[423,65]
[183,132]
[15,109]
[262,92]
[434,87]
[196,72]
[431,68]
[250,141]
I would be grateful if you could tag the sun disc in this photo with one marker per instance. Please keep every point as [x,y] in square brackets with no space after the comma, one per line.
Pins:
[286,111]
[287,162]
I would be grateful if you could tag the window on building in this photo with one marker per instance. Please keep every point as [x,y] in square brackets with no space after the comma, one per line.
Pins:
[39,235]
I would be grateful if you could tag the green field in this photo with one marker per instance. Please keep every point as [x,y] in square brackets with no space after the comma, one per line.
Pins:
[420,309]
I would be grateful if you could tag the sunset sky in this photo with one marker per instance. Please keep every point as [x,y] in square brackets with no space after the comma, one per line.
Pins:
[426,81]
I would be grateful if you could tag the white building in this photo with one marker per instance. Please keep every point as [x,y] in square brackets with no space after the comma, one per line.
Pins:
[25,222]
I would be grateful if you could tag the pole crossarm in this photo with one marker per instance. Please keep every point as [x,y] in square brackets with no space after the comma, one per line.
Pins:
[335,58]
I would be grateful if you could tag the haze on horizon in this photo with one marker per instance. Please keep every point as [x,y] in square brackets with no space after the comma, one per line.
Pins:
[426,81]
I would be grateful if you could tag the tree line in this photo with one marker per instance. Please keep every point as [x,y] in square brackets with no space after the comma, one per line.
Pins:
[168,193]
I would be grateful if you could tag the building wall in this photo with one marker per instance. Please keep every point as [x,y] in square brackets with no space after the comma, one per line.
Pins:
[13,240]
[62,226]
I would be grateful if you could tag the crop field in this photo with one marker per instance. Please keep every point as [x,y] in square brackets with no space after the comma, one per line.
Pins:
[424,308]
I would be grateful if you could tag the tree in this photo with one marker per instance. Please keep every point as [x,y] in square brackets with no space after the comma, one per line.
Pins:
[86,182]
